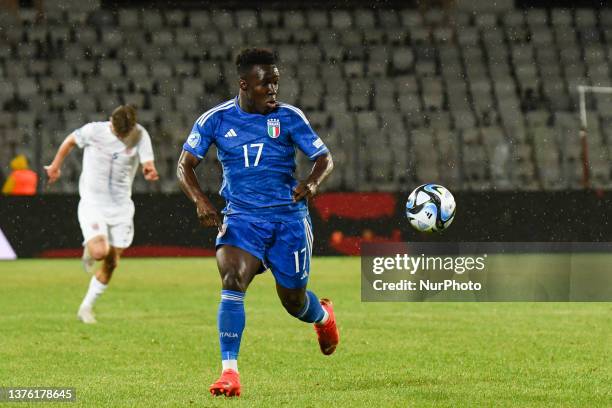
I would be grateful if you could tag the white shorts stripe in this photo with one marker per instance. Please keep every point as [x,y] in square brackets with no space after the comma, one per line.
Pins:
[309,238]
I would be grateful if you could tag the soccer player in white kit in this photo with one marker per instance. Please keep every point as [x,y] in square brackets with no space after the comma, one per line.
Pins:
[112,152]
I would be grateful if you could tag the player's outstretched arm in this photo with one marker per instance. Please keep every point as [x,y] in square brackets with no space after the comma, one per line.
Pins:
[185,172]
[324,164]
[54,169]
[149,171]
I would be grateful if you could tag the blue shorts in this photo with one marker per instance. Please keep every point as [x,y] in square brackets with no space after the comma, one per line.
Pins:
[283,246]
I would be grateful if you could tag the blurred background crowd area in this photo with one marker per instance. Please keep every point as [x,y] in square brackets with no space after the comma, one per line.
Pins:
[474,99]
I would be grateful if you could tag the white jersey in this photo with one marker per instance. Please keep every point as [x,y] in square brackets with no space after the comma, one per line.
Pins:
[110,164]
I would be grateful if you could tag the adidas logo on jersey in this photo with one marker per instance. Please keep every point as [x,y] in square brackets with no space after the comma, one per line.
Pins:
[231,133]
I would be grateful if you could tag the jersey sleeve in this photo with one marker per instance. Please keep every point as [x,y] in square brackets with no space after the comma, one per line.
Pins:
[84,134]
[201,137]
[145,147]
[304,136]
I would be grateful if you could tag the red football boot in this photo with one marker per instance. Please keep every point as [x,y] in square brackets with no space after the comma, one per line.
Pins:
[228,384]
[328,333]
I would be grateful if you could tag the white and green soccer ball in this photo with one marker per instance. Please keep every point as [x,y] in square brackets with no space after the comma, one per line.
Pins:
[430,208]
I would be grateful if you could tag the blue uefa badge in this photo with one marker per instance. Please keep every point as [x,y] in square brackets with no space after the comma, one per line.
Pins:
[193,140]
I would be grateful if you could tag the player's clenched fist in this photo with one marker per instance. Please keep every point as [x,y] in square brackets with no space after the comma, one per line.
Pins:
[207,214]
[304,190]
[150,173]
[53,173]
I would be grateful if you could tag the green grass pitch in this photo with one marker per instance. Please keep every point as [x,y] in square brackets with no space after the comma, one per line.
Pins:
[156,343]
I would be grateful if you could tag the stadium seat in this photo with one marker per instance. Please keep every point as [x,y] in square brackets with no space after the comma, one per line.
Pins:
[402,60]
[364,18]
[360,63]
[295,20]
[317,19]
[270,18]
[341,20]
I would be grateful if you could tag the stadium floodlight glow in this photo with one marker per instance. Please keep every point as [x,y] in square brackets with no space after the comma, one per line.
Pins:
[582,90]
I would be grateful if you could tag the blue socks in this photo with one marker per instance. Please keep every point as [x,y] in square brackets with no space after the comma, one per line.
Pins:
[230,322]
[312,312]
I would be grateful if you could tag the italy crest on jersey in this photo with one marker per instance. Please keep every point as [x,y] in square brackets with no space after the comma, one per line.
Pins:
[274,128]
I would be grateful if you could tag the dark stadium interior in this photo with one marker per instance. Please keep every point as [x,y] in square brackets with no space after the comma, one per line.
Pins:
[478,101]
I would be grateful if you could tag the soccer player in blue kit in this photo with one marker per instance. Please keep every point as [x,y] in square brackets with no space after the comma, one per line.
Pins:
[266,222]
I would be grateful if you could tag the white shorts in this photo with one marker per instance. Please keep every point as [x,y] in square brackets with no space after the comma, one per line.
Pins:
[117,225]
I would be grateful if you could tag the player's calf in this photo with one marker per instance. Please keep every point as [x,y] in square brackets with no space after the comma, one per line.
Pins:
[294,303]
[109,264]
[309,310]
[111,261]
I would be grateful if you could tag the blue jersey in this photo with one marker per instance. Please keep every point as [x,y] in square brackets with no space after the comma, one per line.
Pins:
[257,153]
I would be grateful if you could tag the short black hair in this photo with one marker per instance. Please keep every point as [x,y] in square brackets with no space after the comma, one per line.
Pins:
[249,57]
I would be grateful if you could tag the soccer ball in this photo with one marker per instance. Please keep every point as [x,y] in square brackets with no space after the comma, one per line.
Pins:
[430,208]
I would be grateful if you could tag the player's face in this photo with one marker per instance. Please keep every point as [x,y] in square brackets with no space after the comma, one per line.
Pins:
[262,88]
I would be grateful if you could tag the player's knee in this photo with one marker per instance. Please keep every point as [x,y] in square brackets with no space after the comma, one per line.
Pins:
[231,281]
[236,268]
[233,274]
[99,252]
